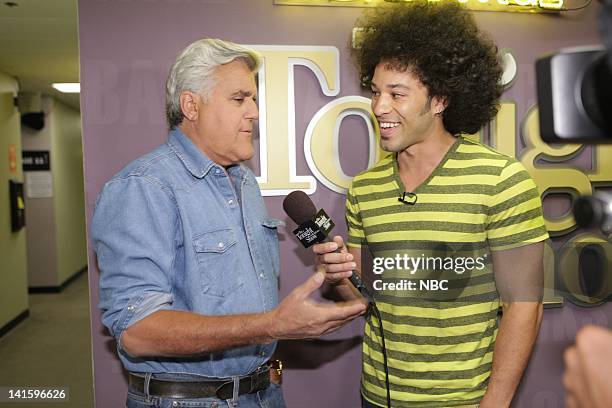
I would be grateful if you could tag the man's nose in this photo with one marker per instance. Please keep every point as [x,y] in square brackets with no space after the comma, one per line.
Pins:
[380,105]
[253,111]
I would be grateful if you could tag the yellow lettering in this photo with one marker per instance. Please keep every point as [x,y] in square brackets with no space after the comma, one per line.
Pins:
[503,129]
[552,178]
[321,146]
[277,111]
[551,297]
[602,166]
[572,270]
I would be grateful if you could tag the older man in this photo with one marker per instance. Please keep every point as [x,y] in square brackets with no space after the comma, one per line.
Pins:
[188,256]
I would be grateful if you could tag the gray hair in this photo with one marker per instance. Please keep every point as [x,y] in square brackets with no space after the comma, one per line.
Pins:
[193,71]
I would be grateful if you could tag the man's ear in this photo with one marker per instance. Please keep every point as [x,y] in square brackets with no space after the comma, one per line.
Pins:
[189,105]
[438,104]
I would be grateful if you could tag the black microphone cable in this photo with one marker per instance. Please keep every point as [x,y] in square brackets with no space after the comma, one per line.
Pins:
[376,311]
[363,290]
[372,307]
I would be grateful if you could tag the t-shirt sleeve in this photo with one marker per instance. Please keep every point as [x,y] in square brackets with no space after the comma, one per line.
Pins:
[514,216]
[356,236]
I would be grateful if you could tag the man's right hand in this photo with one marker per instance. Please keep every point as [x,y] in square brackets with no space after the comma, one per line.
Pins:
[337,265]
[298,316]
[177,333]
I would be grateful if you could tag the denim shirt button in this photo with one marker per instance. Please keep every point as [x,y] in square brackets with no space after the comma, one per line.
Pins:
[131,308]
[261,275]
[220,244]
[230,202]
[174,404]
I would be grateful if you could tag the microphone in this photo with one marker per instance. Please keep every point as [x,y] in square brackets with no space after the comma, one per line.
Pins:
[408,198]
[314,227]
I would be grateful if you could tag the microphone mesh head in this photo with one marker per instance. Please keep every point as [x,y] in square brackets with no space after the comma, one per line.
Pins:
[299,207]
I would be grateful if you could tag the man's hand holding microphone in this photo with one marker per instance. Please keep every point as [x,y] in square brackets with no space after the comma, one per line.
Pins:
[333,258]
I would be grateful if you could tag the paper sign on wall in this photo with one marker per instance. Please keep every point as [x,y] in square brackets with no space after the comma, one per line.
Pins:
[39,185]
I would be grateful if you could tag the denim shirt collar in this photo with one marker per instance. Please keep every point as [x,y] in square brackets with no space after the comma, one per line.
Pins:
[194,159]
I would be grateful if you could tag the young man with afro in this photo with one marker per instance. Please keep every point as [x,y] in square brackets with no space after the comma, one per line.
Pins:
[435,76]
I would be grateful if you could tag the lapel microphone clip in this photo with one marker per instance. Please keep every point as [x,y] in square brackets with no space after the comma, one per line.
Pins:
[408,198]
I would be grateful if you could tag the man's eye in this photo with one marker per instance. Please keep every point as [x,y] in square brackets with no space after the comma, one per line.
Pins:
[375,93]
[239,100]
[396,95]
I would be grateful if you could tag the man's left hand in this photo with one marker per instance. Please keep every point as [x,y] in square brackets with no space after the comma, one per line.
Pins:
[588,369]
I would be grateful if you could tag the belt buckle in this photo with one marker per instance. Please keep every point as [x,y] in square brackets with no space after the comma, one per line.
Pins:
[276,371]
[276,365]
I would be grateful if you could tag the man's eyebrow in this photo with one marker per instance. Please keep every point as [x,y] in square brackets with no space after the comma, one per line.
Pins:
[242,93]
[396,86]
[393,86]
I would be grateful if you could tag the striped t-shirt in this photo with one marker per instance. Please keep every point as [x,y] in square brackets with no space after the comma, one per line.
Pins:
[439,343]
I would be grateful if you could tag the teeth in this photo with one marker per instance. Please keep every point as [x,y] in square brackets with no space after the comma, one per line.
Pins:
[386,125]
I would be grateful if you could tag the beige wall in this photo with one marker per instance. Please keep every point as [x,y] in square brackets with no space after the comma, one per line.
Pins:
[13,265]
[69,199]
[56,240]
[42,257]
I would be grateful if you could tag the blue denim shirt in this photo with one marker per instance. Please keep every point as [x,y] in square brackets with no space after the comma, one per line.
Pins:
[176,231]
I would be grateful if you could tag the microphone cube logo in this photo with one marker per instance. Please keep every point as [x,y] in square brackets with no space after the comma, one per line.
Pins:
[324,222]
[315,230]
[309,234]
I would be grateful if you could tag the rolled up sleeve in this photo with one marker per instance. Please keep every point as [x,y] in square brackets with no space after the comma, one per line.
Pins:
[134,233]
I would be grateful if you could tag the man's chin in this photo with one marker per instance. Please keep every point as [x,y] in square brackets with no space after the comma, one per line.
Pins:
[247,155]
[387,146]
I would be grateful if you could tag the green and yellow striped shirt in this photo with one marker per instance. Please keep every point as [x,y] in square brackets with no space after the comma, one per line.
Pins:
[440,348]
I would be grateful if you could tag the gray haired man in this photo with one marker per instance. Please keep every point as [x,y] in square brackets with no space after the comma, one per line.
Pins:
[188,256]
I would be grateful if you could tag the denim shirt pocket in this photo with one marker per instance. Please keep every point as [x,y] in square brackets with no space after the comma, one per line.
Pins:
[270,231]
[216,256]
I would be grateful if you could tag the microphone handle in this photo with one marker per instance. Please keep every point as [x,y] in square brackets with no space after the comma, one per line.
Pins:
[357,282]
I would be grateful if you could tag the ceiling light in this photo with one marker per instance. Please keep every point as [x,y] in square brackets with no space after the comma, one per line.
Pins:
[68,87]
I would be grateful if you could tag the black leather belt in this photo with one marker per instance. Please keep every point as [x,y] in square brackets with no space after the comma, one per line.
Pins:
[221,388]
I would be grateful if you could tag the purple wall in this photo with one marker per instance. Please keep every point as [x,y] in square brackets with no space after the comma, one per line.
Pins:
[126,49]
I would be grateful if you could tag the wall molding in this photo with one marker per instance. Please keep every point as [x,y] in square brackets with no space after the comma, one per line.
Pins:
[13,323]
[59,288]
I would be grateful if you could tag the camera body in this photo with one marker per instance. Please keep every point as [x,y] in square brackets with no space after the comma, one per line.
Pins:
[574,88]
[575,96]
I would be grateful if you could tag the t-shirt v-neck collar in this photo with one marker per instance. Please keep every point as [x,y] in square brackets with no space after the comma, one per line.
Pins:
[398,180]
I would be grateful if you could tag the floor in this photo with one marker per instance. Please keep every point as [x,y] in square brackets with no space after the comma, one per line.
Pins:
[52,347]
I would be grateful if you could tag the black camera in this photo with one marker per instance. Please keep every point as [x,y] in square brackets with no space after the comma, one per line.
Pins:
[575,102]
[574,89]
